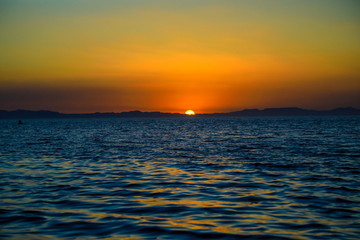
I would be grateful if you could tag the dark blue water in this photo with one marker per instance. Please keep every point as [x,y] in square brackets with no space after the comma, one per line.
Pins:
[248,178]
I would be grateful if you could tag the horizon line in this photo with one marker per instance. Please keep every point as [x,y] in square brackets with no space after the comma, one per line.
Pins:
[183,113]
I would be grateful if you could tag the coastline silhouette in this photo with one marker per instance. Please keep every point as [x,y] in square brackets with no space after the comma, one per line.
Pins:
[267,112]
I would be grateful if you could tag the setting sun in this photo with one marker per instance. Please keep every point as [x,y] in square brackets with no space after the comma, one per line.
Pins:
[190,112]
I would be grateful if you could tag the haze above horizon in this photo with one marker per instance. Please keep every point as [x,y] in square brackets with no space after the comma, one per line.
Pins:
[171,56]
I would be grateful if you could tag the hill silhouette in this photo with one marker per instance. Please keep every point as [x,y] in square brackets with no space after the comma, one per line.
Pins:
[267,112]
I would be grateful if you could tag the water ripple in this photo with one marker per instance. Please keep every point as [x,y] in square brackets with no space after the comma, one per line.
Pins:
[251,178]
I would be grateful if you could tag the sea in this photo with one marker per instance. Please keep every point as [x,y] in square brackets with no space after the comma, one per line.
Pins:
[181,178]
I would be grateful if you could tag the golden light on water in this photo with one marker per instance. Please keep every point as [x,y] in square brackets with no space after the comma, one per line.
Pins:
[190,112]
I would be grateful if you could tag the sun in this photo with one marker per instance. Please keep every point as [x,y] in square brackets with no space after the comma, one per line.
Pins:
[190,112]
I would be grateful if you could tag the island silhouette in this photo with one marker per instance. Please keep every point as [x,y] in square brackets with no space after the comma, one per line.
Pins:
[267,112]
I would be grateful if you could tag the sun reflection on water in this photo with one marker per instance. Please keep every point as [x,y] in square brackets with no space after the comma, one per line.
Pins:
[123,180]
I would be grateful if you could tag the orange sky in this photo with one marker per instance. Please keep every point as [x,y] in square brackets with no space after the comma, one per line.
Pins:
[205,55]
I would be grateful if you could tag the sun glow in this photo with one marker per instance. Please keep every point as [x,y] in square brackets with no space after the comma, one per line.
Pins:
[190,112]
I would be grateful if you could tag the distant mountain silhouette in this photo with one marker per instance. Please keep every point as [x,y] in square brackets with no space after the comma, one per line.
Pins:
[50,114]
[30,114]
[293,111]
[267,112]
